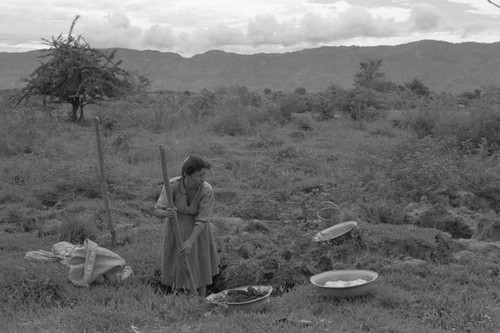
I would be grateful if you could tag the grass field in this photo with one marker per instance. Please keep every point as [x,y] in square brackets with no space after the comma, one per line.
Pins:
[270,179]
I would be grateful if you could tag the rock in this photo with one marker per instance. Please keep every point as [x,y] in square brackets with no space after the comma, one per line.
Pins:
[442,219]
[488,230]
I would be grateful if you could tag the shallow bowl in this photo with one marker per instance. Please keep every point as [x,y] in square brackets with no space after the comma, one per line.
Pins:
[335,231]
[319,281]
[254,305]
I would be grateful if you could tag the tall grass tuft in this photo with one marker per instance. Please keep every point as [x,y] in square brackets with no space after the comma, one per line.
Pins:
[75,230]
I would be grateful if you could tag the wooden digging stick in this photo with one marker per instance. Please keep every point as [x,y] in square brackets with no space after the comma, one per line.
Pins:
[177,230]
[111,225]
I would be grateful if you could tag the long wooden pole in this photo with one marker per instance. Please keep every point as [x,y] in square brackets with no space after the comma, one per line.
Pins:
[109,221]
[175,224]
[494,4]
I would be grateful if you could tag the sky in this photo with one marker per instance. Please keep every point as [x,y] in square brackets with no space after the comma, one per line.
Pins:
[190,27]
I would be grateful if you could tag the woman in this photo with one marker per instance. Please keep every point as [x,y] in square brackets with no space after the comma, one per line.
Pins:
[193,199]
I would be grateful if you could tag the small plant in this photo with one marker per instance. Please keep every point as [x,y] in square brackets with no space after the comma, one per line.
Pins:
[303,123]
[76,231]
[122,142]
[287,153]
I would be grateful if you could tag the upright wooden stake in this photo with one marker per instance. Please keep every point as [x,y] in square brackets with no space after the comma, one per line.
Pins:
[175,224]
[109,221]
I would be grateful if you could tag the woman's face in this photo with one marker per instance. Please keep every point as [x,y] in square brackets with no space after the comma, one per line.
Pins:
[196,179]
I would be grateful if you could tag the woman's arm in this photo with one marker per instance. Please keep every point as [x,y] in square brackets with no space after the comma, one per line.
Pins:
[204,211]
[161,208]
[164,212]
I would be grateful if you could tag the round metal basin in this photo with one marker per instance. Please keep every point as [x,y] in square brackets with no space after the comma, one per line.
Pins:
[319,281]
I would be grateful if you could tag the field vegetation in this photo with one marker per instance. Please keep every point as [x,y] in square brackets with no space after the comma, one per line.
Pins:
[418,170]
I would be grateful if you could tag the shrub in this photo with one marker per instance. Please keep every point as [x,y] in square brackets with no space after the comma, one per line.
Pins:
[259,115]
[482,130]
[275,113]
[417,87]
[423,166]
[293,103]
[363,104]
[230,118]
[422,122]
[326,104]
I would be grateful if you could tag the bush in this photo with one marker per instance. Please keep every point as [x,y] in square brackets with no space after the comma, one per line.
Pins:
[482,131]
[326,104]
[422,122]
[421,167]
[293,103]
[364,103]
[230,118]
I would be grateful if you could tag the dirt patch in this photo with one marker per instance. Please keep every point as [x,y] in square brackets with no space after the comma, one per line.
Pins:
[282,254]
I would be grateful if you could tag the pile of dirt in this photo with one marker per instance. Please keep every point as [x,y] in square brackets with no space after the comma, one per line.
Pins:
[283,254]
[240,295]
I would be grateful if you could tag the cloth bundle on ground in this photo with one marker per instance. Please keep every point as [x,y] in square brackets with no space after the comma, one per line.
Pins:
[86,263]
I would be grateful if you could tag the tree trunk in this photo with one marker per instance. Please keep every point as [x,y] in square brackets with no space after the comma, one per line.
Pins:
[81,113]
[75,106]
[80,103]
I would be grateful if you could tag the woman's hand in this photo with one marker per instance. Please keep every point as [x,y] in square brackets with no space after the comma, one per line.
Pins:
[170,213]
[164,213]
[186,248]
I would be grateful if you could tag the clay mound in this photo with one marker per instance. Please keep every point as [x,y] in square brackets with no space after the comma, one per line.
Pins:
[282,254]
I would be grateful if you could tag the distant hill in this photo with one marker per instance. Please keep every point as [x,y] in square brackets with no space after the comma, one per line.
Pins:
[441,66]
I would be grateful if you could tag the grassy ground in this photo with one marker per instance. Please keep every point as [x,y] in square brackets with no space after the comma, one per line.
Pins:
[274,178]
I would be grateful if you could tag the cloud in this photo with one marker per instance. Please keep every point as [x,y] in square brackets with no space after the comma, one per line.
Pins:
[263,29]
[355,22]
[158,36]
[222,34]
[111,30]
[190,27]
[266,31]
[305,29]
[118,20]
[322,1]
[425,17]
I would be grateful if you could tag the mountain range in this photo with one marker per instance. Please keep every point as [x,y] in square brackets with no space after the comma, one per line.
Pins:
[441,66]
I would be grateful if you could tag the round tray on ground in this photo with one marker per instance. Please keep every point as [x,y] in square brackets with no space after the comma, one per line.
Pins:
[254,305]
[319,281]
[335,231]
